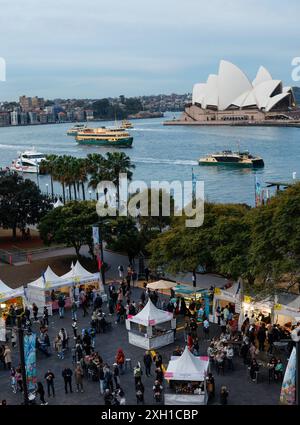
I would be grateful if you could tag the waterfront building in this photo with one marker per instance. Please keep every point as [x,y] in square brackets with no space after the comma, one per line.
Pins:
[14,118]
[23,118]
[89,115]
[230,96]
[32,117]
[4,119]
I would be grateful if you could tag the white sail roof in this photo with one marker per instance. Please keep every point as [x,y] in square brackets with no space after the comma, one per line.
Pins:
[187,367]
[6,292]
[232,82]
[58,203]
[231,87]
[151,315]
[261,76]
[46,281]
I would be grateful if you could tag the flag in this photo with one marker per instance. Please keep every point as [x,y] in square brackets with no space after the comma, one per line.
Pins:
[238,288]
[99,263]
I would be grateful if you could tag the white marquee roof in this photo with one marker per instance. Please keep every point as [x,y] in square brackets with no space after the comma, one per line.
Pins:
[47,281]
[78,272]
[232,87]
[6,292]
[151,315]
[187,367]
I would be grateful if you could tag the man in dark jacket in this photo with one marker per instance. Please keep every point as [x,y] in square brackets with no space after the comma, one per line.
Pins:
[67,375]
[147,363]
[61,306]
[261,336]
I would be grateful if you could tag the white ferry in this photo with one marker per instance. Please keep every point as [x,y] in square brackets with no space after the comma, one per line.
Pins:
[28,162]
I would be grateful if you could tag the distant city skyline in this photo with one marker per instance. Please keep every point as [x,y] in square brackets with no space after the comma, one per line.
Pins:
[94,49]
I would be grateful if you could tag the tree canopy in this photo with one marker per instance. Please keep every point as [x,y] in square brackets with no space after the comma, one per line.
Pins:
[21,202]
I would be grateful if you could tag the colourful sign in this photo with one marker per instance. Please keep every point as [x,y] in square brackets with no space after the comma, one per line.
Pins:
[30,360]
[217,291]
[277,307]
[247,299]
[288,389]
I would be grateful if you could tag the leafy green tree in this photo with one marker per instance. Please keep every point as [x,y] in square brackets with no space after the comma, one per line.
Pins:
[21,202]
[70,225]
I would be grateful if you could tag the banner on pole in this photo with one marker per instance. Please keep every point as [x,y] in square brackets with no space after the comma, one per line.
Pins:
[30,360]
[288,389]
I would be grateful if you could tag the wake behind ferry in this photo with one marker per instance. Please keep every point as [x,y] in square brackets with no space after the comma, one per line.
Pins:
[104,137]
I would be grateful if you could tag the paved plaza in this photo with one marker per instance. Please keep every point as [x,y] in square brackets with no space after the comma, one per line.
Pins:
[241,391]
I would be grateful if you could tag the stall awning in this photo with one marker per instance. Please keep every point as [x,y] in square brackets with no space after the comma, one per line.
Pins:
[161,284]
[8,293]
[151,315]
[187,367]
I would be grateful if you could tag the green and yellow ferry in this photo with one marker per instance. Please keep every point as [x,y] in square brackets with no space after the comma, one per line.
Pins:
[104,137]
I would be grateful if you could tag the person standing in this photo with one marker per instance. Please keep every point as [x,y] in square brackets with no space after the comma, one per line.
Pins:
[7,357]
[206,329]
[148,363]
[137,373]
[49,376]
[46,316]
[40,390]
[116,374]
[261,336]
[67,375]
[75,328]
[35,311]
[224,395]
[101,379]
[74,310]
[79,377]
[64,338]
[146,270]
[61,306]
[121,271]
[139,392]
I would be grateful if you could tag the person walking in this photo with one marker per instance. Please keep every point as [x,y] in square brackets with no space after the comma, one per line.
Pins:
[224,395]
[40,390]
[49,376]
[261,336]
[7,357]
[120,360]
[67,375]
[13,381]
[101,379]
[148,363]
[116,374]
[139,392]
[79,377]
[137,373]
[64,338]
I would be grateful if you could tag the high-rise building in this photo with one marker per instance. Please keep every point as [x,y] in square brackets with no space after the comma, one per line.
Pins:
[25,103]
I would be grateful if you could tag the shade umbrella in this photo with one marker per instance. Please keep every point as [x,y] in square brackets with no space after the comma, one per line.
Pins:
[161,284]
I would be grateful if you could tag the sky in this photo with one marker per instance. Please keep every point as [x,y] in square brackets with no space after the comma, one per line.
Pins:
[101,48]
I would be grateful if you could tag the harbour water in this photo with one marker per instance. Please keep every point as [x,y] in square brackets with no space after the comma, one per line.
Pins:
[169,153]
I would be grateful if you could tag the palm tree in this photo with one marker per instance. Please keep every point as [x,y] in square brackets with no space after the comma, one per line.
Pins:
[59,173]
[47,166]
[96,168]
[117,163]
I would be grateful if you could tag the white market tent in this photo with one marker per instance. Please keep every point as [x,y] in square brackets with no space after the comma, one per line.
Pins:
[187,367]
[151,315]
[79,274]
[45,282]
[8,293]
[225,296]
[147,336]
[161,284]
[58,203]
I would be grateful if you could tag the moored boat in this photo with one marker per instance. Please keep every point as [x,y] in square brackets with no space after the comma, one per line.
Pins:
[126,124]
[240,159]
[105,137]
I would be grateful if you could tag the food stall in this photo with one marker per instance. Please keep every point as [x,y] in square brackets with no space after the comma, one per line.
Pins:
[151,328]
[286,309]
[82,278]
[227,296]
[186,375]
[8,297]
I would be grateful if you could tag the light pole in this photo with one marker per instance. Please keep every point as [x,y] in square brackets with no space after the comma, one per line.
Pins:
[90,193]
[47,189]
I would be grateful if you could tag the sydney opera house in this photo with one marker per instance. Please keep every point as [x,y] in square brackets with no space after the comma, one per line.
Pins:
[231,98]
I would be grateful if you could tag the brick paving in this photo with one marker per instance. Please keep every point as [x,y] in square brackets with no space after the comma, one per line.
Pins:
[241,391]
